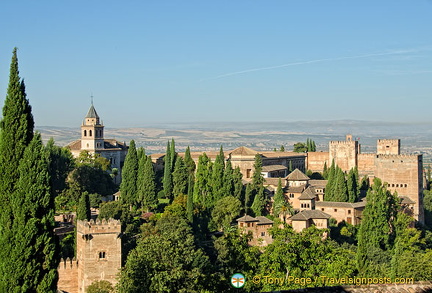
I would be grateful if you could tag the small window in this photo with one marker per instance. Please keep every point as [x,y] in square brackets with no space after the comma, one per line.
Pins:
[241,224]
[322,209]
[349,212]
[335,210]
[102,254]
[308,205]
[406,185]
[85,132]
[262,233]
[90,133]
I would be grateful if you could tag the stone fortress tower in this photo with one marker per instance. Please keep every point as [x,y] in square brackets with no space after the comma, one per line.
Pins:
[402,172]
[98,249]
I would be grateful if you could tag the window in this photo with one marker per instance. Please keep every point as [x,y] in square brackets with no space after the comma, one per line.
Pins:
[241,224]
[85,132]
[291,195]
[308,205]
[90,133]
[248,173]
[349,212]
[406,185]
[335,210]
[262,233]
[322,209]
[102,254]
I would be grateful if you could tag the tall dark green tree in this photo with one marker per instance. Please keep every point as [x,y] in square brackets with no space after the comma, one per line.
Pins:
[147,198]
[259,202]
[189,162]
[377,230]
[202,188]
[217,176]
[248,198]
[32,260]
[228,180]
[257,177]
[83,209]
[329,190]
[279,199]
[340,192]
[167,178]
[128,186]
[352,185]
[180,177]
[61,164]
[189,203]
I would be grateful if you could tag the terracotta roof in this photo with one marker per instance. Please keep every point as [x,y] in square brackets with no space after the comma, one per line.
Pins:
[340,204]
[310,214]
[273,181]
[243,151]
[263,220]
[308,193]
[92,113]
[270,168]
[247,218]
[406,200]
[296,189]
[75,145]
[297,175]
[318,183]
[282,154]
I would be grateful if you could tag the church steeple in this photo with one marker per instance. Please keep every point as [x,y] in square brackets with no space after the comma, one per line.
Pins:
[92,137]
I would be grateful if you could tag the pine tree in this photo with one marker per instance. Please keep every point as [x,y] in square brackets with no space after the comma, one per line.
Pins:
[167,179]
[278,200]
[128,186]
[147,198]
[180,177]
[217,178]
[83,210]
[31,250]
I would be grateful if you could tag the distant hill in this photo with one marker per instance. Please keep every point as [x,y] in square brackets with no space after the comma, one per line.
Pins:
[416,137]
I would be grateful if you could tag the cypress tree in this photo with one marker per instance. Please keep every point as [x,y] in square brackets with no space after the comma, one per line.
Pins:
[128,186]
[189,162]
[228,180]
[83,209]
[313,146]
[377,230]
[248,197]
[340,192]
[257,177]
[217,176]
[140,153]
[173,155]
[202,190]
[167,179]
[16,131]
[238,184]
[146,184]
[325,171]
[180,177]
[352,184]
[282,148]
[31,259]
[189,203]
[278,200]
[329,191]
[259,202]
[290,167]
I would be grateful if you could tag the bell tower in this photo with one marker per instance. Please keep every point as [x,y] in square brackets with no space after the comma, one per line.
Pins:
[92,131]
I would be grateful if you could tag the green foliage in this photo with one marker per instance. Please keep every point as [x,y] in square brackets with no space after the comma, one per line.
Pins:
[146,185]
[238,184]
[282,148]
[325,171]
[377,231]
[353,185]
[336,188]
[95,200]
[259,202]
[224,212]
[189,162]
[90,178]
[31,242]
[67,246]
[180,177]
[83,209]
[427,203]
[300,147]
[167,178]
[166,260]
[310,145]
[115,210]
[190,204]
[61,164]
[279,200]
[217,177]
[101,286]
[248,198]
[128,185]
[202,187]
[178,208]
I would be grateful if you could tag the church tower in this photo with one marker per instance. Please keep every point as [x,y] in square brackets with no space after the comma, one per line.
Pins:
[92,131]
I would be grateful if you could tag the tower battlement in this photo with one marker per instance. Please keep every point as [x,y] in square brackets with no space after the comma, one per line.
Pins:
[407,157]
[98,226]
[343,142]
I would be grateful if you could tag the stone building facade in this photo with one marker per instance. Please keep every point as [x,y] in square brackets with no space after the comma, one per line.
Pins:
[98,249]
[93,141]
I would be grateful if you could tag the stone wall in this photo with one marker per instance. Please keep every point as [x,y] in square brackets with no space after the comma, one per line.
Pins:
[366,164]
[315,161]
[388,147]
[68,276]
[344,153]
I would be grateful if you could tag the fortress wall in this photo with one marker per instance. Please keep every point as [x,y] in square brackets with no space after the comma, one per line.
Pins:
[315,161]
[366,164]
[404,174]
[344,154]
[68,275]
[388,147]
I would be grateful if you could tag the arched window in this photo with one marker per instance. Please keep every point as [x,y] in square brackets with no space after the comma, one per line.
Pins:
[85,132]
[90,133]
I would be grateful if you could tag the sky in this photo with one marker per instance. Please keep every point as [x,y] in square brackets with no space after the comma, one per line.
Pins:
[149,62]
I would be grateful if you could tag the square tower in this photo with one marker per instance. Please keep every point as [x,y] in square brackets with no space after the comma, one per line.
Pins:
[388,147]
[98,252]
[344,153]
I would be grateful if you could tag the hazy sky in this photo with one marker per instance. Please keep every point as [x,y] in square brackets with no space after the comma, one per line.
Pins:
[158,61]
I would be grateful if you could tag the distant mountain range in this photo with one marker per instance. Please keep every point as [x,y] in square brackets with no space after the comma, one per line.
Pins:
[415,137]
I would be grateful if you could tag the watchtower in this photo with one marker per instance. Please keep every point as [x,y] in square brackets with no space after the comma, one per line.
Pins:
[98,252]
